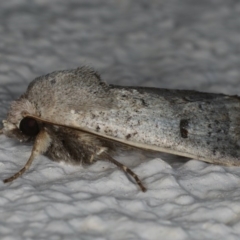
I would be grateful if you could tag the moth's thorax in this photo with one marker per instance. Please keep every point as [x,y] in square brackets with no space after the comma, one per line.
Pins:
[56,94]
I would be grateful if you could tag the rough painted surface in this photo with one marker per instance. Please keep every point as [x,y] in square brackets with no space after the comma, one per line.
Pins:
[158,43]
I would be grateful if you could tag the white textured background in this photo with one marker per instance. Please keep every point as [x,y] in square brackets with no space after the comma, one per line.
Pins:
[162,43]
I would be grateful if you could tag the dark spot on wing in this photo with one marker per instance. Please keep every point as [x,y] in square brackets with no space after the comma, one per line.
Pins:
[53,81]
[215,151]
[128,136]
[184,125]
[144,102]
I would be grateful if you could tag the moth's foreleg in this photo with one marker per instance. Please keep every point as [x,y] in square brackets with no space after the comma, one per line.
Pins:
[1,131]
[125,169]
[40,146]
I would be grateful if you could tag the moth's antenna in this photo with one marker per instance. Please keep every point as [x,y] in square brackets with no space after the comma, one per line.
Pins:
[125,169]
[41,145]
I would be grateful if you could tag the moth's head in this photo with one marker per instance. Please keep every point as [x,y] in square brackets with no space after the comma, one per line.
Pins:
[17,125]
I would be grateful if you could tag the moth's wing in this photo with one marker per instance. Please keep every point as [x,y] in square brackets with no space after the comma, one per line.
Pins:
[197,125]
[108,138]
[123,142]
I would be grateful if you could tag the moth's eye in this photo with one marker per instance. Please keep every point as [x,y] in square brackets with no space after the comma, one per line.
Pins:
[29,126]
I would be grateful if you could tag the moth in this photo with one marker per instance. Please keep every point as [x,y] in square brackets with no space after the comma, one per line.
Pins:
[73,116]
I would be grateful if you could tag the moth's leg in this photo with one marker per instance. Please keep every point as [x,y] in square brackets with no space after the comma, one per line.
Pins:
[1,131]
[125,169]
[40,146]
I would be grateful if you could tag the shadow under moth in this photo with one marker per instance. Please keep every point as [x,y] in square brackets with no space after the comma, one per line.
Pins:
[74,117]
